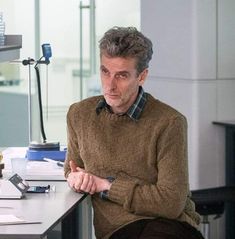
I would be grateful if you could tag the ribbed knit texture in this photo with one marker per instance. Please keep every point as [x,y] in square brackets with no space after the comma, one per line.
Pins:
[148,158]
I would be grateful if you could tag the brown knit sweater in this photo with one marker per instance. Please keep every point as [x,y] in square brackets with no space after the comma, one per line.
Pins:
[148,158]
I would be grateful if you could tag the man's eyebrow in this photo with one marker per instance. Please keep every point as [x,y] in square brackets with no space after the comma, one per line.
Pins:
[123,72]
[102,66]
[118,72]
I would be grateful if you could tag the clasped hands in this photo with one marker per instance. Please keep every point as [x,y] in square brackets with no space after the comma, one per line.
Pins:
[81,181]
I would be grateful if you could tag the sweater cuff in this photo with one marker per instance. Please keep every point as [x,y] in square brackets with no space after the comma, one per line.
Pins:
[121,191]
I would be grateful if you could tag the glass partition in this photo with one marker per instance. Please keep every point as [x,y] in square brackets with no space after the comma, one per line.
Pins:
[73,29]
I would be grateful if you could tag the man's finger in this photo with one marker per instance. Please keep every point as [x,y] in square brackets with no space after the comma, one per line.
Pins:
[85,182]
[78,169]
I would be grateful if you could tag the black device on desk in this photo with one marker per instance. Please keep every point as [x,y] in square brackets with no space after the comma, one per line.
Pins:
[39,189]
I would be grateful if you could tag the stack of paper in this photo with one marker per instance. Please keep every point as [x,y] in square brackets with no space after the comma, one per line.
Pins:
[9,219]
[43,168]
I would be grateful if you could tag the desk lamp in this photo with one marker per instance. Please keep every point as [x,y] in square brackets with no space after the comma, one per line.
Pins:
[44,149]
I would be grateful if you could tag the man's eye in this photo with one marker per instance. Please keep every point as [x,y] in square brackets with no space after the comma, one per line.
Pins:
[104,71]
[121,76]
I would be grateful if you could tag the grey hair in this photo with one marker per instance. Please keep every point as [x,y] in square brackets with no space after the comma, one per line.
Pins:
[127,42]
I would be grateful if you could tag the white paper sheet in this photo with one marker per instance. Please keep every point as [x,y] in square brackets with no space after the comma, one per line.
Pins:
[7,219]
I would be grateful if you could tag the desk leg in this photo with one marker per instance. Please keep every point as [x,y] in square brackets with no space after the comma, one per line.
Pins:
[230,180]
[69,225]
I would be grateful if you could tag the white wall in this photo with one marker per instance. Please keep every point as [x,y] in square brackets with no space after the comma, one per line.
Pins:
[193,70]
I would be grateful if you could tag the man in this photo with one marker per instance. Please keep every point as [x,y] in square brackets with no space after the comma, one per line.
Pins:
[129,150]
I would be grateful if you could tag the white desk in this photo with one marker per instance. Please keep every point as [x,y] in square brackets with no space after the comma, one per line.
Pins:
[48,208]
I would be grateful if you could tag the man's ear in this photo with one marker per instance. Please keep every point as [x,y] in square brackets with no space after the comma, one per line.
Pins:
[142,76]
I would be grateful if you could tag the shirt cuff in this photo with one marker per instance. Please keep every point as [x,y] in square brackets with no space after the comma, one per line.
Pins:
[104,194]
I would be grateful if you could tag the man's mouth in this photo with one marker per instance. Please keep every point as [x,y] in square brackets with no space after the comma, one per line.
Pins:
[111,95]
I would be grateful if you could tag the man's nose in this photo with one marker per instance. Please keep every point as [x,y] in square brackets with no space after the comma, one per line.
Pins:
[112,82]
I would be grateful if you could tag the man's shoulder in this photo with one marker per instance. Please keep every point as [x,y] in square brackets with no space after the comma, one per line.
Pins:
[87,103]
[84,107]
[162,109]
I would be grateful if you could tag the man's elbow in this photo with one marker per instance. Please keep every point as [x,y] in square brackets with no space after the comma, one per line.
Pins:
[174,208]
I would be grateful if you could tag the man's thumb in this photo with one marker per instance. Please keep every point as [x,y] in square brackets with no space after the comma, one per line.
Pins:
[73,166]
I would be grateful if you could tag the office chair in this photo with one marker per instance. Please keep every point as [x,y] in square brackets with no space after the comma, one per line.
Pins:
[209,202]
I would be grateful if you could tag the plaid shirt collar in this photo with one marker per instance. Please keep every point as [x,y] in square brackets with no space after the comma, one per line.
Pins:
[134,111]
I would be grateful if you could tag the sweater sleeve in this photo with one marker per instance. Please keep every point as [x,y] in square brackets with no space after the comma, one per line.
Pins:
[72,145]
[167,196]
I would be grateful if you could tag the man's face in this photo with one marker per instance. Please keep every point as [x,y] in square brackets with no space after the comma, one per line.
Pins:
[120,83]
